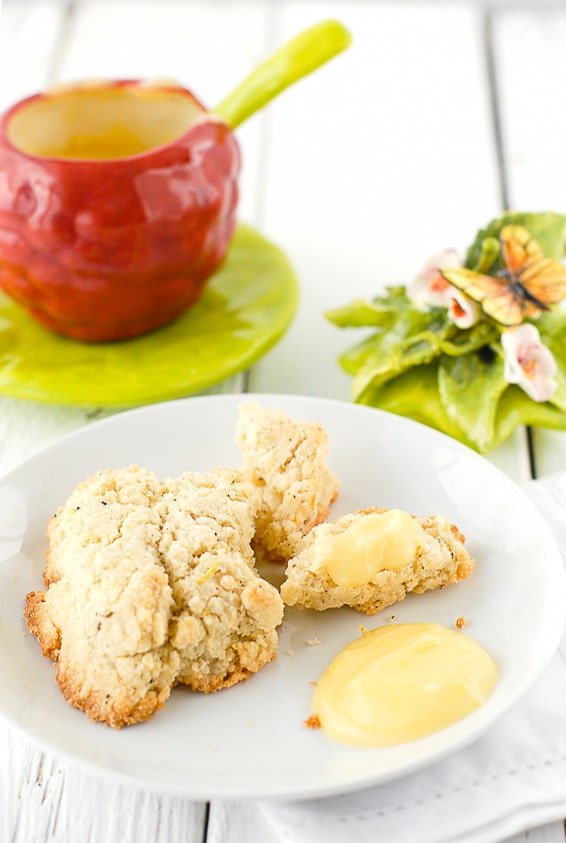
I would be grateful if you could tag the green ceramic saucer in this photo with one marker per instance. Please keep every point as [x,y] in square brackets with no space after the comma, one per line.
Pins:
[246,307]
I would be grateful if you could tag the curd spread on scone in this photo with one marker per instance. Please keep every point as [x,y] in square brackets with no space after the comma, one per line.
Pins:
[373,558]
[378,541]
[402,682]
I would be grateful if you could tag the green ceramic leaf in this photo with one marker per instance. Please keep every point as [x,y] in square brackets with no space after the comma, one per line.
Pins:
[246,307]
[415,394]
[470,387]
[387,360]
[413,339]
[359,357]
[380,311]
[516,408]
[470,339]
[552,328]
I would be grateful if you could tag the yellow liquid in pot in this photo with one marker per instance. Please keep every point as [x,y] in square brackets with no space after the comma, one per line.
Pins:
[95,123]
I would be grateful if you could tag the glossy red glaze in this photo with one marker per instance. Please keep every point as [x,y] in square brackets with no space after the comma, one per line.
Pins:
[110,249]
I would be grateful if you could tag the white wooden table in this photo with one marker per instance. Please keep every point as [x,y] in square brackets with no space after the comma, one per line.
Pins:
[439,117]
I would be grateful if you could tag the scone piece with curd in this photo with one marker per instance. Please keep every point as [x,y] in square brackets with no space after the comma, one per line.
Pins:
[151,583]
[286,461]
[373,558]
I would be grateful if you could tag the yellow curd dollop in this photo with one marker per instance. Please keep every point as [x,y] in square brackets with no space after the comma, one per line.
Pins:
[402,682]
[376,542]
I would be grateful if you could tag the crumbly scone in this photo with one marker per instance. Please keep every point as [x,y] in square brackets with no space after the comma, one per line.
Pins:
[105,615]
[151,583]
[227,628]
[206,512]
[286,461]
[225,619]
[440,559]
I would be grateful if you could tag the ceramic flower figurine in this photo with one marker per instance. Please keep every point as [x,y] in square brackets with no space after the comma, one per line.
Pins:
[458,348]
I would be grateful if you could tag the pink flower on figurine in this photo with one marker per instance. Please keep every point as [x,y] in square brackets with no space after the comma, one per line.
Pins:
[431,289]
[462,311]
[528,362]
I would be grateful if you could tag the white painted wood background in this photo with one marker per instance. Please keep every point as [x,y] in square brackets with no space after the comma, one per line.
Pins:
[439,116]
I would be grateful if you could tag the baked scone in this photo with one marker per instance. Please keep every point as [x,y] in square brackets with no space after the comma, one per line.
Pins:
[105,615]
[373,558]
[205,512]
[225,618]
[286,461]
[151,583]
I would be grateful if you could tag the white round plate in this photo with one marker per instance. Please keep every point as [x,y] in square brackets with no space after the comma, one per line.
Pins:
[250,741]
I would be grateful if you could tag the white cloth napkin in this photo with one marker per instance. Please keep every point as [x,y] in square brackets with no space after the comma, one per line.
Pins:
[512,779]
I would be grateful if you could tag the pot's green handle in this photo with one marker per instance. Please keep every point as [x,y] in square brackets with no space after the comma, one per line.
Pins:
[305,53]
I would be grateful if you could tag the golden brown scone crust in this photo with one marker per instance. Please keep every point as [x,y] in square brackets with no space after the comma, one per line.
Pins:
[442,559]
[286,461]
[151,583]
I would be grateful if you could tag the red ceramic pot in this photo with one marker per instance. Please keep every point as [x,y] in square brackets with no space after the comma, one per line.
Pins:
[117,203]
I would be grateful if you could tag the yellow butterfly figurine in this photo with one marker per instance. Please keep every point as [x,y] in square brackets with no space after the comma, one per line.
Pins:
[527,285]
